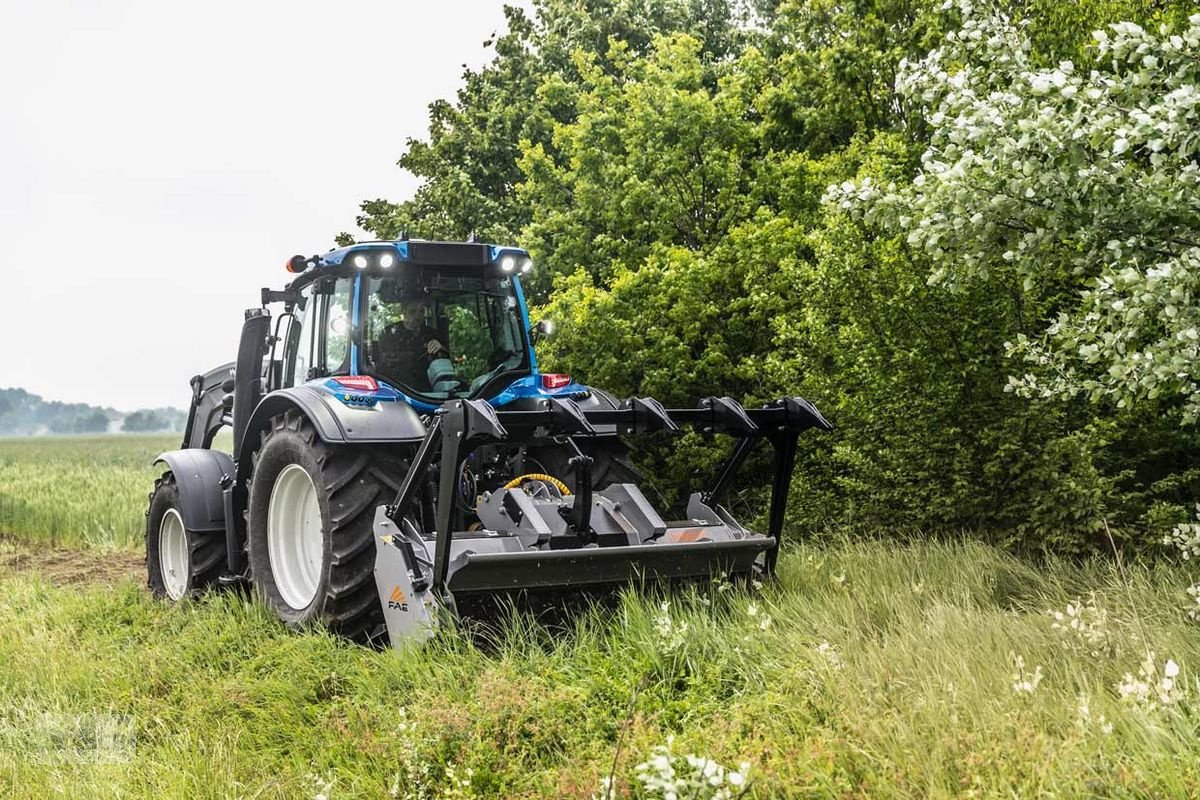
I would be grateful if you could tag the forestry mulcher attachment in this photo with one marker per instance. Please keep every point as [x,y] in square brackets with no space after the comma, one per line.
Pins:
[398,458]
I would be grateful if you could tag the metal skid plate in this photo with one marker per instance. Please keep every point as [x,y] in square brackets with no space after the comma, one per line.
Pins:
[488,570]
[410,610]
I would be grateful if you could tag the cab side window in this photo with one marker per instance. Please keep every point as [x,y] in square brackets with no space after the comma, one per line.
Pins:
[319,338]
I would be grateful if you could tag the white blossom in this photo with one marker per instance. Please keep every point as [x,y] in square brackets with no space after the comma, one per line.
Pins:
[671,776]
[1153,689]
[1053,173]
[1024,681]
[1083,626]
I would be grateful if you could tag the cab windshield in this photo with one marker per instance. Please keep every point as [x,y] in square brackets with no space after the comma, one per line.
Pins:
[443,337]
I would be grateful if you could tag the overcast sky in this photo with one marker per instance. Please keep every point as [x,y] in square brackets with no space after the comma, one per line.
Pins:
[160,160]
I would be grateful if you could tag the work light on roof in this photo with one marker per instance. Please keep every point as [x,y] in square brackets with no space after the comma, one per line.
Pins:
[387,260]
[360,261]
[526,265]
[508,263]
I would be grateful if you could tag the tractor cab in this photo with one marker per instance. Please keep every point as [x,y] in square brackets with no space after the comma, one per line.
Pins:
[428,321]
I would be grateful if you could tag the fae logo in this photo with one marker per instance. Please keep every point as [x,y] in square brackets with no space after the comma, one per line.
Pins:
[397,600]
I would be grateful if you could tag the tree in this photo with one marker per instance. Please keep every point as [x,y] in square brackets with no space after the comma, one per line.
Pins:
[468,164]
[1082,186]
[143,422]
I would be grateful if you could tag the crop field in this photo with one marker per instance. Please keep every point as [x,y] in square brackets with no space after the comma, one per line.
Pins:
[870,669]
[79,490]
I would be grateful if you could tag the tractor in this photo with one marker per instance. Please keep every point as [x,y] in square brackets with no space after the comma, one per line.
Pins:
[398,459]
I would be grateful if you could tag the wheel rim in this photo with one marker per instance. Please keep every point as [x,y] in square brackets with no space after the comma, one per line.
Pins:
[173,554]
[295,541]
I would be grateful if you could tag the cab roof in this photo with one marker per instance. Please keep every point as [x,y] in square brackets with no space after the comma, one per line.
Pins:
[425,252]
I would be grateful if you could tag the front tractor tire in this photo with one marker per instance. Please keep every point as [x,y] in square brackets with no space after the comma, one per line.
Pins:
[179,563]
[309,529]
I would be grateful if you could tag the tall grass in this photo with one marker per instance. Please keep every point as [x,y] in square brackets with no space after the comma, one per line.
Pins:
[868,670]
[79,490]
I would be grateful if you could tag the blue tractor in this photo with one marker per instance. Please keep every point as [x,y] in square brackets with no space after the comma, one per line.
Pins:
[399,459]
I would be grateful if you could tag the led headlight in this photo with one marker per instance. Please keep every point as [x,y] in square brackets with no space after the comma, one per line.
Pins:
[360,261]
[387,260]
[508,263]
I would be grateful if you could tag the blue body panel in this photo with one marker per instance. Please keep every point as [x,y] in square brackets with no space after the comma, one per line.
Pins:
[521,388]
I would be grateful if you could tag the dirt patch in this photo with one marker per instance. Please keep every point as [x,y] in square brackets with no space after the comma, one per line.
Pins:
[70,567]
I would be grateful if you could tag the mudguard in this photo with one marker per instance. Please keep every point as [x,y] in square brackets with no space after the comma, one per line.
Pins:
[199,474]
[337,422]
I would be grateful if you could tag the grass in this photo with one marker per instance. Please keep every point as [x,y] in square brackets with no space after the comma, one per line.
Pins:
[79,490]
[870,669]
[918,701]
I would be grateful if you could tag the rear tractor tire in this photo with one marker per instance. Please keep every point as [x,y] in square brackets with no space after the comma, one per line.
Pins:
[179,563]
[309,528]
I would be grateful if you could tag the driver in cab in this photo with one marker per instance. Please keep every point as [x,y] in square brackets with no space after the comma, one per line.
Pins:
[407,348]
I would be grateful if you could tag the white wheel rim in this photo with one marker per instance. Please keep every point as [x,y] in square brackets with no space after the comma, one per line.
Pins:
[173,554]
[295,541]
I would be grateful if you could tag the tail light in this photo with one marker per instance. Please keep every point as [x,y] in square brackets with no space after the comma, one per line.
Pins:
[361,383]
[555,380]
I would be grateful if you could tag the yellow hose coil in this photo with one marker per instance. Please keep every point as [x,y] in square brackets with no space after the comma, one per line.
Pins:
[537,476]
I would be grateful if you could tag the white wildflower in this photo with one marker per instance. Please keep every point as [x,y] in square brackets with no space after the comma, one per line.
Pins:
[1083,626]
[830,655]
[1087,721]
[1194,606]
[1185,537]
[1023,681]
[671,634]
[1153,689]
[670,776]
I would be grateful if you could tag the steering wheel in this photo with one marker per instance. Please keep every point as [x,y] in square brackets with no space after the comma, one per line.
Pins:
[497,358]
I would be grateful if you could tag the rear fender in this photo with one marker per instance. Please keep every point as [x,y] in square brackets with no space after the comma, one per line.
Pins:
[199,475]
[335,422]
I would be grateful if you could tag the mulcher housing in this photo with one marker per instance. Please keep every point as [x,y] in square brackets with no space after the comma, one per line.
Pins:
[488,479]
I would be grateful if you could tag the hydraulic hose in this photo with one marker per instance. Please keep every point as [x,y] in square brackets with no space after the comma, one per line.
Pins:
[538,476]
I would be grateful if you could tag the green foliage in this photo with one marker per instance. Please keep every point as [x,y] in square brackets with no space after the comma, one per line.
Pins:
[469,163]
[668,174]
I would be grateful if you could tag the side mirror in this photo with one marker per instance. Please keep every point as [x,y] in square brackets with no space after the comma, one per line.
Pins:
[543,328]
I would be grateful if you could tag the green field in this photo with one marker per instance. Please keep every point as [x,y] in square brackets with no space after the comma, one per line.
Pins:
[871,669]
[73,490]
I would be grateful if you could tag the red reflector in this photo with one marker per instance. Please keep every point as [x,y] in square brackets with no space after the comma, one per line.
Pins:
[555,380]
[363,383]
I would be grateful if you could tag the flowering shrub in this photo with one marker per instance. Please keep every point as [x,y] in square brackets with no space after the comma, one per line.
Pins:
[1061,177]
[1185,537]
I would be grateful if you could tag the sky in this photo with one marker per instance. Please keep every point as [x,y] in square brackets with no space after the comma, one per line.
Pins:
[161,160]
